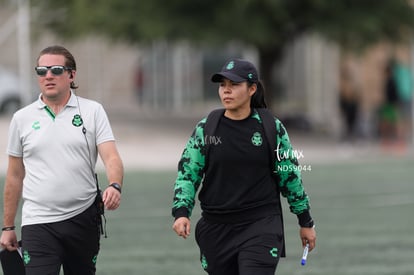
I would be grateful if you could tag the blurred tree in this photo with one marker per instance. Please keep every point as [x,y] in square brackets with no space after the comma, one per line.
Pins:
[267,25]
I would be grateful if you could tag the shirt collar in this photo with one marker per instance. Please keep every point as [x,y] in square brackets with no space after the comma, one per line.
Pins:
[72,102]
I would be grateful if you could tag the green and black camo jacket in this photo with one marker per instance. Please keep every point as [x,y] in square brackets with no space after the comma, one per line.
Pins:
[191,173]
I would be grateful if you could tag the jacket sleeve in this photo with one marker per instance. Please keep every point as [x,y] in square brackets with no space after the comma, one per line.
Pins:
[190,173]
[289,177]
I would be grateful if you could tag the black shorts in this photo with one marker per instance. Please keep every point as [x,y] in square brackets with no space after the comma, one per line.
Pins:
[73,244]
[240,249]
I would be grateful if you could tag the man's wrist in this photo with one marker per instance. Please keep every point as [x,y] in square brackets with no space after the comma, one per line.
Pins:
[117,186]
[8,228]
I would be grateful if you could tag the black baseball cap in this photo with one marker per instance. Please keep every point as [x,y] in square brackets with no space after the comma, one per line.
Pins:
[237,70]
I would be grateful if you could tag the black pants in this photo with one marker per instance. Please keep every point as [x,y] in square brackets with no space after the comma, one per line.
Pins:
[240,249]
[73,244]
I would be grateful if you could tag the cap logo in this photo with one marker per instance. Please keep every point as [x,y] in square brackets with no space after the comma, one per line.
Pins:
[230,65]
[250,76]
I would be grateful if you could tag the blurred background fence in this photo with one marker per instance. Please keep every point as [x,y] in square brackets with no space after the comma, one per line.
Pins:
[313,71]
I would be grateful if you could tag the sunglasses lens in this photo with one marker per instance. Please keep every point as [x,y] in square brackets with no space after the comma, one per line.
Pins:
[57,70]
[41,71]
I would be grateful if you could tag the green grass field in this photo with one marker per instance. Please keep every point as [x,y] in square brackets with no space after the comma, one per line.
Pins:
[363,213]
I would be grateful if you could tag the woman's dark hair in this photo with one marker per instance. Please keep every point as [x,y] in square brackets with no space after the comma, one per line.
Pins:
[258,99]
[69,59]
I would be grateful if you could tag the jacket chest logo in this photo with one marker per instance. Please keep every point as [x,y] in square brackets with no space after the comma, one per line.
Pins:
[257,139]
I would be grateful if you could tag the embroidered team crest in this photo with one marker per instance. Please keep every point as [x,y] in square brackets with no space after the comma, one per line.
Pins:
[257,139]
[36,125]
[77,121]
[230,66]
[26,257]
[273,252]
[204,263]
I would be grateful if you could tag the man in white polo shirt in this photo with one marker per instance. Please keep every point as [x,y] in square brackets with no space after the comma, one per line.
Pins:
[53,147]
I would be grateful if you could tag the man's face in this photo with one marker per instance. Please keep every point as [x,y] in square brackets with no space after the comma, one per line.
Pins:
[54,86]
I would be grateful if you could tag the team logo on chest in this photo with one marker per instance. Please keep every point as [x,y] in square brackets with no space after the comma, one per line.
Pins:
[36,125]
[257,139]
[77,121]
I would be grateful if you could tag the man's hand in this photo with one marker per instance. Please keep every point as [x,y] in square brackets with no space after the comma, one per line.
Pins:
[111,198]
[8,240]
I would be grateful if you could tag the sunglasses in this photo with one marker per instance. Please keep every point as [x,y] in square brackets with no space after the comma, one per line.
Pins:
[55,70]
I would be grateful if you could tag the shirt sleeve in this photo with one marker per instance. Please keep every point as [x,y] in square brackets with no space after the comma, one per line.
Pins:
[190,173]
[103,127]
[289,176]
[14,146]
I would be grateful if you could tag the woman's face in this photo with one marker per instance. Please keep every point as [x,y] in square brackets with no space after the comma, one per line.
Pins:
[235,96]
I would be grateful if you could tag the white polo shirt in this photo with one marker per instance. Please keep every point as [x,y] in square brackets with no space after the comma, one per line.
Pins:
[59,182]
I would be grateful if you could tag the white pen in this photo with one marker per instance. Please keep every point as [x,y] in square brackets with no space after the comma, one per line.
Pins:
[305,254]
